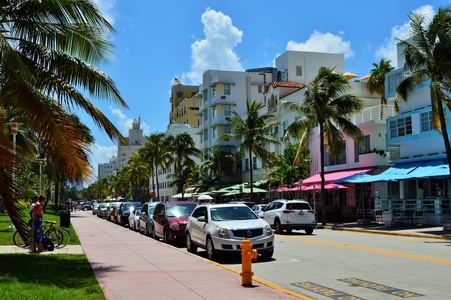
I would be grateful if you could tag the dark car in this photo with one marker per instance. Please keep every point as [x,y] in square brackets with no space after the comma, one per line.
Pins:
[123,212]
[169,220]
[145,218]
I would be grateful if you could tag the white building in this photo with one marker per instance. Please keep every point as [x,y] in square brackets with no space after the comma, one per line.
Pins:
[135,141]
[106,169]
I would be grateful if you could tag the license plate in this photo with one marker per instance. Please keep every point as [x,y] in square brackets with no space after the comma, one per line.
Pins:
[301,213]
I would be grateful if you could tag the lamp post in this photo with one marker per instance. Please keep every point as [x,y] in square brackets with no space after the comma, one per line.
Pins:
[40,175]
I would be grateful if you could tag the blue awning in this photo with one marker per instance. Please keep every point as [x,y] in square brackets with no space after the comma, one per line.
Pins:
[431,168]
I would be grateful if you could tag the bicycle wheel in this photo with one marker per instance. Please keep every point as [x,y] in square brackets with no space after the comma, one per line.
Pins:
[19,241]
[60,237]
[55,236]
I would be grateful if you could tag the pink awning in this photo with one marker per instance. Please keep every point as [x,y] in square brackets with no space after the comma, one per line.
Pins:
[329,177]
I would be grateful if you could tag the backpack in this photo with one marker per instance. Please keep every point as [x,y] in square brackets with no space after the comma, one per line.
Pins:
[48,244]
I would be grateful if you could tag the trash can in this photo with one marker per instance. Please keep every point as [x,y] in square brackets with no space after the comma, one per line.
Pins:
[65,218]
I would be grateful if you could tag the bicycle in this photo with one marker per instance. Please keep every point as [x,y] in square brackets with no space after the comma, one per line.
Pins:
[58,235]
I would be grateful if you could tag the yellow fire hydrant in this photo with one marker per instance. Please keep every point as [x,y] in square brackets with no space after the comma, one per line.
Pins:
[247,255]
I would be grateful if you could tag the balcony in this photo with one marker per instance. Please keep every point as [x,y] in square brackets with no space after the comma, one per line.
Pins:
[373,113]
[220,120]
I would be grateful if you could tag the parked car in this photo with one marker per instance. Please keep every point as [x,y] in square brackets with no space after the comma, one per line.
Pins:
[220,229]
[95,208]
[248,203]
[133,218]
[258,208]
[102,210]
[145,224]
[287,215]
[169,220]
[111,211]
[123,212]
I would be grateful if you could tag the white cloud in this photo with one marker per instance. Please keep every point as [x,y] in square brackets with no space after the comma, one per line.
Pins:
[100,155]
[388,50]
[215,51]
[323,42]
[108,9]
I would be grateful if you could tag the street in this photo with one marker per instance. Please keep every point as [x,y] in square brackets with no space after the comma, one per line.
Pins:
[351,265]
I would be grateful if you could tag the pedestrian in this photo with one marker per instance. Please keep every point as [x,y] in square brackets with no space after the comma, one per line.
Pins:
[37,223]
[33,202]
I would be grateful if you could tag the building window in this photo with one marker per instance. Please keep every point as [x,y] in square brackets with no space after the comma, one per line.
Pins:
[333,160]
[179,94]
[205,95]
[426,121]
[215,132]
[246,164]
[205,116]
[362,148]
[214,92]
[227,129]
[298,70]
[214,112]
[254,163]
[393,81]
[401,127]
[260,89]
[285,126]
[227,110]
[226,89]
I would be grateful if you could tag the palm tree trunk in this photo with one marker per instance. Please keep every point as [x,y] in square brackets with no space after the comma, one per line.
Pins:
[156,178]
[323,189]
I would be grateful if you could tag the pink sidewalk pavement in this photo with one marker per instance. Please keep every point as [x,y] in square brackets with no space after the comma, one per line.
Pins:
[129,265]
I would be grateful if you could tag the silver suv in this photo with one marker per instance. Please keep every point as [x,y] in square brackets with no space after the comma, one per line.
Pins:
[287,215]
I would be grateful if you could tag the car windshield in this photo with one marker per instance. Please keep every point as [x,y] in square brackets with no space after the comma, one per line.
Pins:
[128,205]
[183,210]
[231,213]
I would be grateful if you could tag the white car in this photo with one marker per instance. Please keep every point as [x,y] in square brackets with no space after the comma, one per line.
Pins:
[220,229]
[287,215]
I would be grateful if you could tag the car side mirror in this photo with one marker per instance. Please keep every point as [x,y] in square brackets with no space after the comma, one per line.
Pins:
[202,219]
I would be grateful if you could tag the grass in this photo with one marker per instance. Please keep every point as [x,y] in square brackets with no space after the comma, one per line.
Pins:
[6,234]
[45,277]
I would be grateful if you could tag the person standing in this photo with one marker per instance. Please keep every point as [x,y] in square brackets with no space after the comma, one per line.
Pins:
[37,223]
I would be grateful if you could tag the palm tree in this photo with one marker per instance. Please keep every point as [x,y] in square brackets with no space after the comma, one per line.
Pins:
[138,175]
[183,151]
[254,133]
[428,56]
[48,53]
[156,153]
[217,161]
[376,83]
[326,104]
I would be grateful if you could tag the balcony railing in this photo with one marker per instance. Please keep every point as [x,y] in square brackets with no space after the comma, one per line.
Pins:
[373,113]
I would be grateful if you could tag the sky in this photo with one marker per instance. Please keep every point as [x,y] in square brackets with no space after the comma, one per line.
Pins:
[157,41]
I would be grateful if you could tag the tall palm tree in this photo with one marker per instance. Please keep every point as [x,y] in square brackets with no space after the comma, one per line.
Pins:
[183,151]
[428,56]
[326,104]
[48,53]
[156,152]
[376,83]
[254,133]
[218,162]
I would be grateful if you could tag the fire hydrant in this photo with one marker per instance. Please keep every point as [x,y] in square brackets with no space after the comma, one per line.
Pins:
[247,255]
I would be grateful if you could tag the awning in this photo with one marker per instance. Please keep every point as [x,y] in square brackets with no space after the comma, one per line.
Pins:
[431,168]
[333,176]
[330,186]
[397,172]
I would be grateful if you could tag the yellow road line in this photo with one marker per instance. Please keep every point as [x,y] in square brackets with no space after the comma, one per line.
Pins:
[391,253]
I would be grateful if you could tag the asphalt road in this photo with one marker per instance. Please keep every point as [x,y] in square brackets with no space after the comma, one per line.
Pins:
[352,265]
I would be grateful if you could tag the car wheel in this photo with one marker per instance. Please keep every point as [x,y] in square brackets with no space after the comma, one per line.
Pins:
[166,236]
[190,247]
[289,230]
[154,234]
[266,255]
[211,253]
[277,227]
[309,231]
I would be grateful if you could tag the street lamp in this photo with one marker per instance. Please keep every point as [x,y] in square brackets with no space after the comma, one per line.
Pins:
[40,175]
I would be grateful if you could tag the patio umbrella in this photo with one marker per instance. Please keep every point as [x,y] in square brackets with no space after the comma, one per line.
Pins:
[349,75]
[366,77]
[205,197]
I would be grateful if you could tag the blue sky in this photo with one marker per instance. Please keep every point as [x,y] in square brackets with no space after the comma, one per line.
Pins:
[157,41]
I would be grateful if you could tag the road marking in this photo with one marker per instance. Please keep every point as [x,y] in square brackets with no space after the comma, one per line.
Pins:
[380,288]
[325,291]
[391,253]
